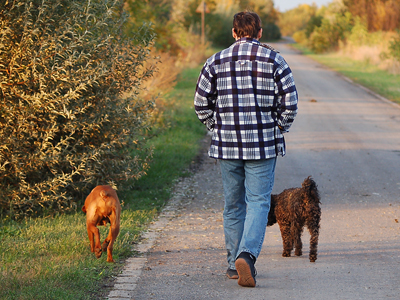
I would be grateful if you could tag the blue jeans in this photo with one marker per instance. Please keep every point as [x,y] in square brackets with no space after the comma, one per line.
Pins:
[247,189]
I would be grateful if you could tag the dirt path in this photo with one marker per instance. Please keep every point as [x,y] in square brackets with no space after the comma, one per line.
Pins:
[349,141]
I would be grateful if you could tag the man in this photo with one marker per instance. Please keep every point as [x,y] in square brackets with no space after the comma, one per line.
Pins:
[247,97]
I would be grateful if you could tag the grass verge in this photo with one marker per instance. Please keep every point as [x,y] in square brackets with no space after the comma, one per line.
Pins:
[362,72]
[49,258]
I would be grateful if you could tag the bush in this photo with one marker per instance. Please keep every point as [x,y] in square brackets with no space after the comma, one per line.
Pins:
[296,19]
[314,22]
[319,40]
[70,116]
[359,33]
[300,37]
[394,48]
[219,31]
[271,32]
[331,32]
[223,36]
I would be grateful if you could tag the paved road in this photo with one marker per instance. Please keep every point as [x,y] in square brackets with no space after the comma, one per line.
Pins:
[349,141]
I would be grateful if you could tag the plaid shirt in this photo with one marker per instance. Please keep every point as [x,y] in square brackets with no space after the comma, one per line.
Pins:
[246,95]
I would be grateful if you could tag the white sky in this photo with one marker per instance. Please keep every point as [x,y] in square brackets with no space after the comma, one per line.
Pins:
[284,5]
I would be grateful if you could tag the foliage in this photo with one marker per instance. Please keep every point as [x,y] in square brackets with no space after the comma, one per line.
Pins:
[216,18]
[219,20]
[222,37]
[175,48]
[377,14]
[268,15]
[330,33]
[158,13]
[300,37]
[271,32]
[320,29]
[320,39]
[359,33]
[347,27]
[296,19]
[394,48]
[70,111]
[175,41]
[313,23]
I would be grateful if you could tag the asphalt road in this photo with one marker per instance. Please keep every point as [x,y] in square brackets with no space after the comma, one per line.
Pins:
[349,141]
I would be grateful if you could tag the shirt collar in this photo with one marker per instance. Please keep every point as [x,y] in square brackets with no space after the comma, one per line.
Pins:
[247,40]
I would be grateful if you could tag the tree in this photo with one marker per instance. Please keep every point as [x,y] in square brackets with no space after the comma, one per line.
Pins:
[394,48]
[70,116]
[296,19]
[378,14]
[220,20]
[331,32]
[158,13]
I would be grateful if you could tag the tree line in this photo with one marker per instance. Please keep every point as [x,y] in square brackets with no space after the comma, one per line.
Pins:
[324,29]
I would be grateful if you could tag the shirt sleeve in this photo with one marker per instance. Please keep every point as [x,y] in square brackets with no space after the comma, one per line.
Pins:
[286,95]
[205,97]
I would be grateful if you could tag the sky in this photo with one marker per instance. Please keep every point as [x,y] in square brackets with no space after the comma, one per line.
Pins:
[284,5]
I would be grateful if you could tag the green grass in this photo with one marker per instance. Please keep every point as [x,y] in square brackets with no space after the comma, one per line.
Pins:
[49,258]
[362,72]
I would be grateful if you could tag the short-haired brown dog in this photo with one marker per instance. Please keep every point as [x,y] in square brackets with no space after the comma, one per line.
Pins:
[101,207]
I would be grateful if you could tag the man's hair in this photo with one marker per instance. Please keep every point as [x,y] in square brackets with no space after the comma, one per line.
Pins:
[246,23]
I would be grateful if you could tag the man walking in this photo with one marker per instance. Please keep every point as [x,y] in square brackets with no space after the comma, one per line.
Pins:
[247,97]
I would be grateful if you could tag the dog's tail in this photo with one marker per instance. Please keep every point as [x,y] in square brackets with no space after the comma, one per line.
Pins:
[271,213]
[104,194]
[310,187]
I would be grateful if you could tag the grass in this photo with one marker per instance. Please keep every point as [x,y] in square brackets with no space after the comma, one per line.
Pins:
[49,258]
[362,72]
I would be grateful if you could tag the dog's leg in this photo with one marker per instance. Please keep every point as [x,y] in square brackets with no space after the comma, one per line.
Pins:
[297,230]
[91,237]
[94,237]
[112,235]
[314,232]
[104,246]
[107,240]
[286,238]
[298,245]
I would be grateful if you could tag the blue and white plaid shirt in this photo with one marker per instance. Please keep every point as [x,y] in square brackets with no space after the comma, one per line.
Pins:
[246,95]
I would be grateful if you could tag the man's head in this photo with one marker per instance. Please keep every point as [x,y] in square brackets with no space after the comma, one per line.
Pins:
[246,24]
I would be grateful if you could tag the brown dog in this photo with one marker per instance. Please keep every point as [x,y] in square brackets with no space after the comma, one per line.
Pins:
[101,207]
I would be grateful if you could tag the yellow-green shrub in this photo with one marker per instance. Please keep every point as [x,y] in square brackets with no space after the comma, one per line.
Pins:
[300,37]
[64,124]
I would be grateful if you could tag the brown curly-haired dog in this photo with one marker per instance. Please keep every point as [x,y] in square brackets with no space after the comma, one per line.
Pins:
[293,209]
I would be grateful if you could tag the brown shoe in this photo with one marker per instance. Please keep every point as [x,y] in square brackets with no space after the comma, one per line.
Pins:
[245,267]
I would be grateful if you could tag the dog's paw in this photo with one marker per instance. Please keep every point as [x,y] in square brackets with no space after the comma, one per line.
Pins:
[298,252]
[286,254]
[313,258]
[98,252]
[104,246]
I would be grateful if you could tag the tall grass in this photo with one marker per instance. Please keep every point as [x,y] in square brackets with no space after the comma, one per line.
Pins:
[49,258]
[371,48]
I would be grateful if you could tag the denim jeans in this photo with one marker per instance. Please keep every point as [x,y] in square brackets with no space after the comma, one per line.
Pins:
[247,189]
